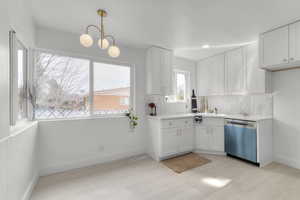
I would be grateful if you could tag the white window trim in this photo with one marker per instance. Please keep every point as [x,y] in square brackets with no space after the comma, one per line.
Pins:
[13,78]
[188,85]
[92,59]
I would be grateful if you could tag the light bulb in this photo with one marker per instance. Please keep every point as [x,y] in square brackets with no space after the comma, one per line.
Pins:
[205,46]
[114,51]
[86,40]
[104,44]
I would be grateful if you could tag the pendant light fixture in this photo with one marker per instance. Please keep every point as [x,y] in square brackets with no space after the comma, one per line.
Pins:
[87,41]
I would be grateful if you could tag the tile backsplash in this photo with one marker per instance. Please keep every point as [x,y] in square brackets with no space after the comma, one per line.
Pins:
[258,104]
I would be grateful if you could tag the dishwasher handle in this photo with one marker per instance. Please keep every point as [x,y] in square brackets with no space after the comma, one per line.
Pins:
[242,123]
[238,123]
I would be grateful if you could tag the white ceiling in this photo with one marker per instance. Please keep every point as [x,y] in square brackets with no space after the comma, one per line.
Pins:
[182,25]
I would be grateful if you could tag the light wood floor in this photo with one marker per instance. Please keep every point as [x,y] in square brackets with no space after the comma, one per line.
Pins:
[142,178]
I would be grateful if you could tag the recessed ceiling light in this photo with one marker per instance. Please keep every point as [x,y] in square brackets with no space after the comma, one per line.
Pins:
[206,46]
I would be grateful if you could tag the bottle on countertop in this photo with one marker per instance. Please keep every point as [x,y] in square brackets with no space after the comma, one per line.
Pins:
[194,102]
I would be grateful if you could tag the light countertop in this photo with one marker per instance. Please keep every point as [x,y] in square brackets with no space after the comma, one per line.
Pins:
[234,116]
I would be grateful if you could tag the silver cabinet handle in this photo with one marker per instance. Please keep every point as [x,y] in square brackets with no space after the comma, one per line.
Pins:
[291,59]
[178,132]
[284,60]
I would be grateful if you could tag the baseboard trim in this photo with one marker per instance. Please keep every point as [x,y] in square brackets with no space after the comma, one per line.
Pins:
[287,161]
[210,152]
[30,187]
[89,162]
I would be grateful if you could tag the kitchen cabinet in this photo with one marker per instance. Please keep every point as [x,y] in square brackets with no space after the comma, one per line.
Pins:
[280,48]
[202,138]
[210,76]
[170,137]
[235,71]
[256,78]
[187,137]
[159,71]
[275,47]
[294,43]
[210,135]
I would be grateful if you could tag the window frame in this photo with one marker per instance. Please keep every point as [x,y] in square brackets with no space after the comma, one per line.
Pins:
[174,84]
[14,45]
[92,60]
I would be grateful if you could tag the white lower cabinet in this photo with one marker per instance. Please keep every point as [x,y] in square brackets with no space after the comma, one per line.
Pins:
[170,137]
[210,136]
[176,140]
[186,142]
[169,142]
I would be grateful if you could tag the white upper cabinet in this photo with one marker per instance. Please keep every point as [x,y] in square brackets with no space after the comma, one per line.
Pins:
[280,48]
[235,71]
[159,71]
[294,42]
[256,77]
[275,47]
[210,76]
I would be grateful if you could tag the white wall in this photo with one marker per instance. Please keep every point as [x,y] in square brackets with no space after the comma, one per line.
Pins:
[286,126]
[23,163]
[17,149]
[67,144]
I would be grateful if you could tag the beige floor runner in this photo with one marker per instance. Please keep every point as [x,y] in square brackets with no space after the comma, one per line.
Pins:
[185,162]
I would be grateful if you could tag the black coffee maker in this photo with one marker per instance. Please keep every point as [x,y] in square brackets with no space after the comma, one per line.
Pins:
[194,102]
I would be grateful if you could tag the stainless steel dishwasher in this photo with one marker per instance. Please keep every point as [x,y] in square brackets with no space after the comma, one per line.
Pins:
[241,139]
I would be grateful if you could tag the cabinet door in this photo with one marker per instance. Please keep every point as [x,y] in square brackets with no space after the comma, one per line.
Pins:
[294,42]
[203,76]
[255,79]
[275,47]
[202,138]
[216,75]
[169,142]
[153,71]
[217,138]
[166,72]
[210,75]
[159,71]
[235,71]
[186,140]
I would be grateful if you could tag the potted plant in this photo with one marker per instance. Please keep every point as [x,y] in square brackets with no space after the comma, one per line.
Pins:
[132,119]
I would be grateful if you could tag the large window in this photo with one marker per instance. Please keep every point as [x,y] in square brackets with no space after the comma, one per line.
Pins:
[68,87]
[18,79]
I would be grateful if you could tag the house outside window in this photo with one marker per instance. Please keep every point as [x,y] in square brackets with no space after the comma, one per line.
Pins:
[111,86]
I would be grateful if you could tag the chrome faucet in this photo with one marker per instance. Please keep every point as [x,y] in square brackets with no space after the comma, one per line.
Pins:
[216,110]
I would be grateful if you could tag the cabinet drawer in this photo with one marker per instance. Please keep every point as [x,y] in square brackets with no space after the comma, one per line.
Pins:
[177,123]
[170,123]
[213,121]
[186,123]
